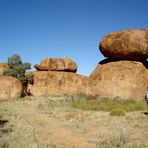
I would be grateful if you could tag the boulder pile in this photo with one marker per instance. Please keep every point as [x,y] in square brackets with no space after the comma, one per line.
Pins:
[124,72]
[55,76]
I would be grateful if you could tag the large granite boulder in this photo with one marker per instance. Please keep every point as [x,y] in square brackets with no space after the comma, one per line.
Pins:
[127,44]
[10,87]
[123,79]
[57,64]
[48,83]
[3,67]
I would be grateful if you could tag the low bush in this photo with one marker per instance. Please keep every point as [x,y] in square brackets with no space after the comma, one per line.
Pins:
[105,104]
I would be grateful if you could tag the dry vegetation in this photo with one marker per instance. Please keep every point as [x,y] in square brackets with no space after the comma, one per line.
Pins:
[56,122]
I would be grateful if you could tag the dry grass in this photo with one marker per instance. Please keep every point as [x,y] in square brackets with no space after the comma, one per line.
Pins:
[52,122]
[119,141]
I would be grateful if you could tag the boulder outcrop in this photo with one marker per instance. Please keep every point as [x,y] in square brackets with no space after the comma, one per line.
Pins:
[127,44]
[10,87]
[123,74]
[123,79]
[48,83]
[57,64]
[3,67]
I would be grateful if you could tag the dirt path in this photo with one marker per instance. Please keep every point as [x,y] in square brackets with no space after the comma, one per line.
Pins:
[50,128]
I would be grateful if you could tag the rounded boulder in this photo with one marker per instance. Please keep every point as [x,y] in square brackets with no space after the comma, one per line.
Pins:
[127,44]
[10,87]
[118,79]
[57,64]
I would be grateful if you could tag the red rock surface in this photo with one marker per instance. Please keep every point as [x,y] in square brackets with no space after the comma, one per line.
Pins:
[10,87]
[123,79]
[127,44]
[48,83]
[3,67]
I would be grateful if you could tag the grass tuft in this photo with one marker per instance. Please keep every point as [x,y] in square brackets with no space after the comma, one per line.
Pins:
[117,112]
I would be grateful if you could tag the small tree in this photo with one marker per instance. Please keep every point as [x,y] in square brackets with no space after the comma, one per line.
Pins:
[17,69]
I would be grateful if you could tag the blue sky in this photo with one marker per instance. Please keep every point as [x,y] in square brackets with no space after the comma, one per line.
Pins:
[36,29]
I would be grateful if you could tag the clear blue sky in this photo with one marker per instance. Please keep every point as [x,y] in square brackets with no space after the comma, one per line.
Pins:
[36,29]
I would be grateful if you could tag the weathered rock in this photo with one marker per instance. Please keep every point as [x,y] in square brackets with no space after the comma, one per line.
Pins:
[48,83]
[57,64]
[127,44]
[3,67]
[10,87]
[124,79]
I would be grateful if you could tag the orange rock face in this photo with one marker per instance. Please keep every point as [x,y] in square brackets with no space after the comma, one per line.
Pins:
[10,87]
[3,67]
[57,64]
[48,83]
[127,44]
[124,79]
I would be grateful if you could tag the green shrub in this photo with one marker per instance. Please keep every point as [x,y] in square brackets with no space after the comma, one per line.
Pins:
[17,69]
[117,112]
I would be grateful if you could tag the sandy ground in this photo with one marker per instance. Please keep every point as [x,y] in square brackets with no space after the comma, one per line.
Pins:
[52,122]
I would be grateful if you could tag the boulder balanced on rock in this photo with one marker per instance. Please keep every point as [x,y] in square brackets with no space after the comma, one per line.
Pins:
[57,64]
[127,44]
[56,76]
[124,73]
